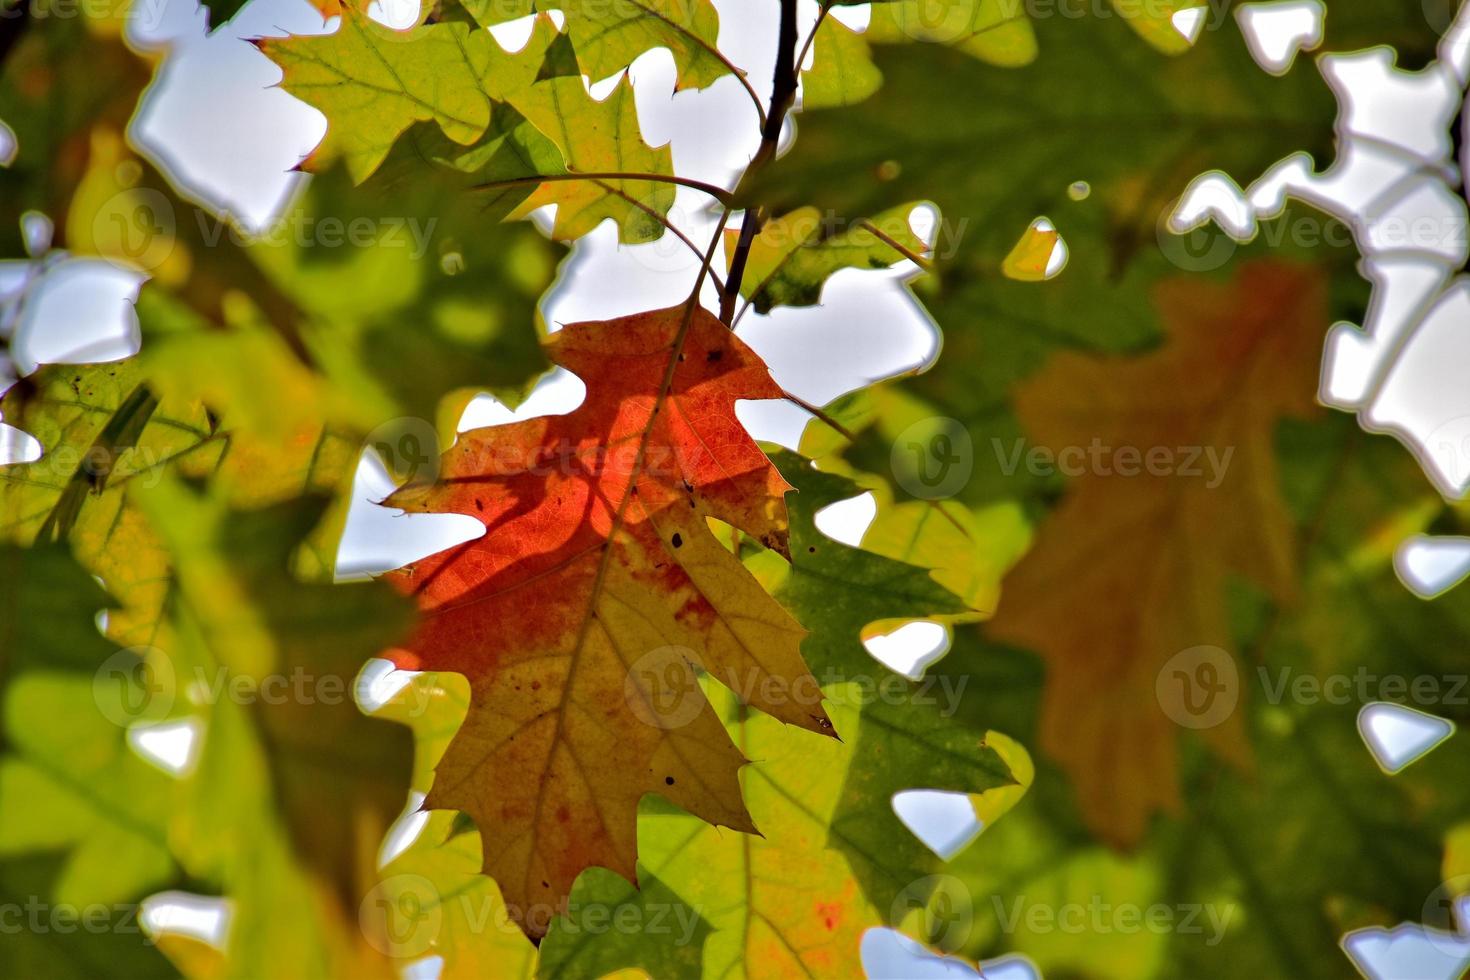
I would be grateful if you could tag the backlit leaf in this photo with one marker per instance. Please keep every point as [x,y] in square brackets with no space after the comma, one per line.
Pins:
[793,255]
[842,71]
[293,786]
[1182,490]
[602,513]
[509,119]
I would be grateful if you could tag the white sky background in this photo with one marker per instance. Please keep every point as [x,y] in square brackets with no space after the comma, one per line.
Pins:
[232,140]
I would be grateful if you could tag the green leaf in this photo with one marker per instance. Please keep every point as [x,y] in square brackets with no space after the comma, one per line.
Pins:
[434,901]
[1004,145]
[293,786]
[609,36]
[906,735]
[967,549]
[611,925]
[786,902]
[67,941]
[100,429]
[68,778]
[991,30]
[1312,839]
[372,83]
[793,255]
[432,300]
[594,137]
[842,71]
[221,12]
[508,119]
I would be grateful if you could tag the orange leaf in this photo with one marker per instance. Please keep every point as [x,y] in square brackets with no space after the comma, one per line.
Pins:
[580,616]
[1131,568]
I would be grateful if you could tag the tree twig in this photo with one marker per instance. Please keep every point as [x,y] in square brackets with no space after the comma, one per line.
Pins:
[783,94]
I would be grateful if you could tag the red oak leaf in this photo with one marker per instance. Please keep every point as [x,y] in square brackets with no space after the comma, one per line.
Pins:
[583,616]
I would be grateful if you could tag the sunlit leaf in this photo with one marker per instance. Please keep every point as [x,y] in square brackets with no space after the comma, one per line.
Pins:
[603,512]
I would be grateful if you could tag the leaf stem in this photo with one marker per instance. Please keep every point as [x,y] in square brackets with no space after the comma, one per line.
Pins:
[713,50]
[821,416]
[755,98]
[897,246]
[673,229]
[812,36]
[718,193]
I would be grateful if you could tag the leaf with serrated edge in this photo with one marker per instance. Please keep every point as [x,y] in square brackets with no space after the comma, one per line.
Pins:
[842,71]
[293,787]
[610,36]
[598,583]
[1131,569]
[834,858]
[792,255]
[373,84]
[68,779]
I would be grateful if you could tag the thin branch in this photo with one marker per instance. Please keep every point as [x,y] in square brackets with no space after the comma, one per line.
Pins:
[783,94]
[783,87]
[672,229]
[705,267]
[744,308]
[738,259]
[718,193]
